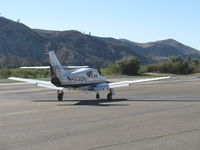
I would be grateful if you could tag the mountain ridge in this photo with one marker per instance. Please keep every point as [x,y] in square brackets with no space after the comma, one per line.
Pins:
[22,45]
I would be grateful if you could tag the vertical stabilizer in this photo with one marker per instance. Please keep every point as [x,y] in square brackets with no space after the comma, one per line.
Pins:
[58,73]
[54,60]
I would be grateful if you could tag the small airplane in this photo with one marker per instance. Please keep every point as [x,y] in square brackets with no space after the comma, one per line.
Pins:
[65,78]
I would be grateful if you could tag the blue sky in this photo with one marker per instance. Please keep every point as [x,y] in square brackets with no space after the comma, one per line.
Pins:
[136,20]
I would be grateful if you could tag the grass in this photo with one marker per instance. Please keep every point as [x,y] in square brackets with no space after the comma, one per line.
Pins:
[9,81]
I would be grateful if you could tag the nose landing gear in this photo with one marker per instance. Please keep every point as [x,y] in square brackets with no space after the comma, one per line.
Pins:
[97,96]
[60,95]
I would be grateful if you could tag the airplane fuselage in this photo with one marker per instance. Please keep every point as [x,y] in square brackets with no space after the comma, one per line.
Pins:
[78,77]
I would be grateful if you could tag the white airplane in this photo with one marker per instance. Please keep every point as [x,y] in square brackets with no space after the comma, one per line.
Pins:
[77,78]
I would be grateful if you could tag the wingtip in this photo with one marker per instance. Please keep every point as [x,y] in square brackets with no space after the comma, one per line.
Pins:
[12,78]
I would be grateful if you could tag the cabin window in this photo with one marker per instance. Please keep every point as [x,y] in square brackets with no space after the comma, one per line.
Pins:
[91,74]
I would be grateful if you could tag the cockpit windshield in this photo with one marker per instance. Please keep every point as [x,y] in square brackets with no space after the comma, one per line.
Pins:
[92,74]
[89,74]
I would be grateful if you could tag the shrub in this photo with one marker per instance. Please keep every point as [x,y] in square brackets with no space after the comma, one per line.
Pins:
[176,65]
[129,66]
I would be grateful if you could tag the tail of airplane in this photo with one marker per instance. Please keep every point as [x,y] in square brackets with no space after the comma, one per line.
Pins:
[57,71]
[58,74]
[54,60]
[56,64]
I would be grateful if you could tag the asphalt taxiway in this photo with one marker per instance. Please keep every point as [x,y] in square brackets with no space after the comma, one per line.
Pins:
[156,115]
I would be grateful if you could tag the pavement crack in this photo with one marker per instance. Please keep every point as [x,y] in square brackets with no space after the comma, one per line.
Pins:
[144,139]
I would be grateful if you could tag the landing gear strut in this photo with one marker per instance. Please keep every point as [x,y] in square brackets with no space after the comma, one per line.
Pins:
[97,96]
[109,96]
[60,95]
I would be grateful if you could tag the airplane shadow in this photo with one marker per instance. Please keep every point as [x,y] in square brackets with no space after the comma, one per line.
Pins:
[171,100]
[100,102]
[105,102]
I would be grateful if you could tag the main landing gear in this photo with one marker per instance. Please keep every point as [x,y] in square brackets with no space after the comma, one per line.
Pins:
[109,96]
[60,95]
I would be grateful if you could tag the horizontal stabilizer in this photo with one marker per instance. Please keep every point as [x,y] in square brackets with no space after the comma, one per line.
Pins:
[73,67]
[36,67]
[57,67]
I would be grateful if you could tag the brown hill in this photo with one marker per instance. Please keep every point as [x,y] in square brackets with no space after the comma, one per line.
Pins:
[21,45]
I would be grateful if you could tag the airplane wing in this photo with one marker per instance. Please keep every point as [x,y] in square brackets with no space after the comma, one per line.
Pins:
[46,84]
[102,86]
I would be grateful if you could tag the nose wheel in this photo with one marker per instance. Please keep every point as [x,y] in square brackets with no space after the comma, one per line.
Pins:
[60,95]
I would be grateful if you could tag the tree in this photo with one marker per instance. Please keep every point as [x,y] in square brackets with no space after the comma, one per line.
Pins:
[129,66]
[175,59]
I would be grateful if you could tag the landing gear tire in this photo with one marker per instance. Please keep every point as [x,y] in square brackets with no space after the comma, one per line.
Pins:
[97,96]
[109,96]
[60,95]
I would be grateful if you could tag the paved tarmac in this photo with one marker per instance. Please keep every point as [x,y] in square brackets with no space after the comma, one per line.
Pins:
[160,115]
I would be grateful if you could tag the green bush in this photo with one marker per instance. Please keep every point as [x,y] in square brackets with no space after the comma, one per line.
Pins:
[176,65]
[128,66]
[5,73]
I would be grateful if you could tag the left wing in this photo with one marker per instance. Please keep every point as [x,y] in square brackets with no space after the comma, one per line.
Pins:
[46,84]
[102,86]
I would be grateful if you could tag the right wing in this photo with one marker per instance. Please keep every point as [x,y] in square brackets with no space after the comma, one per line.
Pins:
[102,86]
[128,83]
[46,84]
